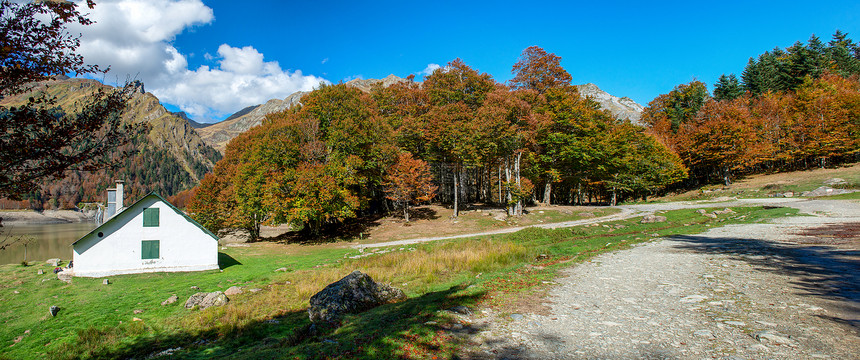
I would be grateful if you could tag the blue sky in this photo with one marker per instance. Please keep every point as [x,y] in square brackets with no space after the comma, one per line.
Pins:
[212,58]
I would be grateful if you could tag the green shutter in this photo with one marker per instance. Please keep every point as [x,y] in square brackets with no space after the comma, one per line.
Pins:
[149,249]
[150,217]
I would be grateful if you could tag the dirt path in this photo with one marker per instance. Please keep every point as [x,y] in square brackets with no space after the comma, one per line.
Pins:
[624,214]
[784,290]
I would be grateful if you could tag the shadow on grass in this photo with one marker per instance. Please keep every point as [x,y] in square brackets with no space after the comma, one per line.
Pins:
[225,261]
[822,271]
[416,327]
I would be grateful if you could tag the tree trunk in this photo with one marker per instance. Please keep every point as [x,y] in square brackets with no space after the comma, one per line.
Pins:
[547,192]
[509,199]
[518,208]
[501,200]
[456,190]
[726,176]
[406,210]
[614,200]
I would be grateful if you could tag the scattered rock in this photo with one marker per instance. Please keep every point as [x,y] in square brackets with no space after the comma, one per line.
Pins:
[204,300]
[165,352]
[194,287]
[354,293]
[704,333]
[137,311]
[233,290]
[255,290]
[835,181]
[283,269]
[136,319]
[724,211]
[735,323]
[712,216]
[517,317]
[693,298]
[53,310]
[40,272]
[701,211]
[542,257]
[65,276]
[54,261]
[462,310]
[825,191]
[105,282]
[651,218]
[16,292]
[770,336]
[172,299]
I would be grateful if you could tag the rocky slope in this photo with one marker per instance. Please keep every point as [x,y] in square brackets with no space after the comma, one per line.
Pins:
[170,158]
[218,135]
[621,107]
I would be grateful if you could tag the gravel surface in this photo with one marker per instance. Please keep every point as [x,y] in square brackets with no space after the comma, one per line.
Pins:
[789,289]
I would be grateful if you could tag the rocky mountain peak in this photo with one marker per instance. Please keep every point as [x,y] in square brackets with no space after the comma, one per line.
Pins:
[621,107]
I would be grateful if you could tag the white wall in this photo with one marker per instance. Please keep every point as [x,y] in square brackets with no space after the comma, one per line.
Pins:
[182,245]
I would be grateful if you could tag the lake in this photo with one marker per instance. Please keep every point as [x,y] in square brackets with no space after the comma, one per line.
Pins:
[51,241]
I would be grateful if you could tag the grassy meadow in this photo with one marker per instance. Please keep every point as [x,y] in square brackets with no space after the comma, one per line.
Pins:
[507,273]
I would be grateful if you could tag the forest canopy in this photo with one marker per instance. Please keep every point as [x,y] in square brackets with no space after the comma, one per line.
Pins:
[458,138]
[792,109]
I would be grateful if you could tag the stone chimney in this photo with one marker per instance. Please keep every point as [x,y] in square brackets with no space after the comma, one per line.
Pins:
[114,201]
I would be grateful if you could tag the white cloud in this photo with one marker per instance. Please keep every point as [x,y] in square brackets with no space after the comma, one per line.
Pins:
[324,61]
[429,69]
[241,79]
[134,38]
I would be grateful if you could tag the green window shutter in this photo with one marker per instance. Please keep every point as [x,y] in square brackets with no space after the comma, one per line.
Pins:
[149,249]
[150,217]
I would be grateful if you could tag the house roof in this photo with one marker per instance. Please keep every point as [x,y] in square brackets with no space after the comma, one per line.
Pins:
[180,212]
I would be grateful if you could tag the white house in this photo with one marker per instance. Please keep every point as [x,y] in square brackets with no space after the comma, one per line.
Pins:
[151,235]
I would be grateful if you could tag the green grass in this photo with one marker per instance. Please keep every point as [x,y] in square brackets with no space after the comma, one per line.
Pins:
[95,320]
[849,196]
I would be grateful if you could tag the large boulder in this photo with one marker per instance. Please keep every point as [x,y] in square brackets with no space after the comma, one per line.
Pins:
[354,293]
[204,300]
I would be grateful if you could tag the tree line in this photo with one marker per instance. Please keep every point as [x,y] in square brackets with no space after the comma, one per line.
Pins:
[459,138]
[792,109]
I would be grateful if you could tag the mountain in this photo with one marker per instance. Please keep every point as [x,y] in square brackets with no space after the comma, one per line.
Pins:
[219,134]
[170,158]
[623,107]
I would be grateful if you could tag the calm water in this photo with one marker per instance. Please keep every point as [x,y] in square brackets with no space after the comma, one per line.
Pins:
[52,241]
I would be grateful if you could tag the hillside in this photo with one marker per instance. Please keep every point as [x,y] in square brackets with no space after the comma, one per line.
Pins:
[219,134]
[172,156]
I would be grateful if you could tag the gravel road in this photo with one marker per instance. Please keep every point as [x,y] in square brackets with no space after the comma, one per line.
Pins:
[789,289]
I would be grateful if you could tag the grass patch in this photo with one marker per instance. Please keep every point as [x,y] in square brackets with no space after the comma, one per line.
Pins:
[95,320]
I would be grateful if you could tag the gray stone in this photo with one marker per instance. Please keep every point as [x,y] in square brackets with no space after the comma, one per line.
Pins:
[65,276]
[283,269]
[770,336]
[651,218]
[462,310]
[835,181]
[724,211]
[255,290]
[105,282]
[701,211]
[40,272]
[517,317]
[233,290]
[704,333]
[825,191]
[54,261]
[354,293]
[712,216]
[53,310]
[204,300]
[137,311]
[172,299]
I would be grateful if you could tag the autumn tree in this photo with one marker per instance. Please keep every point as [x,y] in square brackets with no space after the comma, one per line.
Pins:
[39,141]
[409,181]
[538,70]
[451,129]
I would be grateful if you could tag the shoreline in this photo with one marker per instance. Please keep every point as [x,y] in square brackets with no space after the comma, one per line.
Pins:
[31,217]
